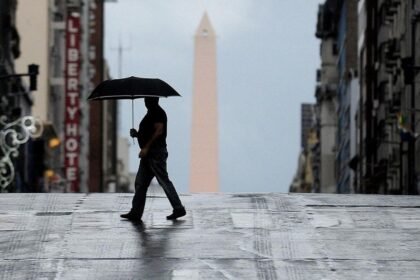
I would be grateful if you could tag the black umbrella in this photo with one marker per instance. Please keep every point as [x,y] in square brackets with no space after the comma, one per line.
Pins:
[132,88]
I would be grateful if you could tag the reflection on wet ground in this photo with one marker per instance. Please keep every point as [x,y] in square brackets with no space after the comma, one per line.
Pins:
[223,236]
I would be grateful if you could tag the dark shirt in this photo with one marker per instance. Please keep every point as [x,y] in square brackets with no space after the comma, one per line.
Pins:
[147,128]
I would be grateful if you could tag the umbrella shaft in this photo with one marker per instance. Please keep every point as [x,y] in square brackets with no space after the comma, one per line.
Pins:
[132,115]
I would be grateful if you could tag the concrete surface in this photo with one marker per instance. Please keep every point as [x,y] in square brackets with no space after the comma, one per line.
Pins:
[224,236]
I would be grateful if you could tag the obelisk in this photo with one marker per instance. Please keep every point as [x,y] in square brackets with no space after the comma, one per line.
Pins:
[204,176]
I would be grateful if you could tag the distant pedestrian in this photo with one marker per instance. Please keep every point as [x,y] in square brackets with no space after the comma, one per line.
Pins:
[153,155]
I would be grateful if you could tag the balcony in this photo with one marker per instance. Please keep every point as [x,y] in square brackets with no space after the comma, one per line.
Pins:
[392,54]
[326,25]
[325,92]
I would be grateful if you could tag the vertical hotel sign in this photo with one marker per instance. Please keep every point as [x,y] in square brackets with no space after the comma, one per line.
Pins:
[72,101]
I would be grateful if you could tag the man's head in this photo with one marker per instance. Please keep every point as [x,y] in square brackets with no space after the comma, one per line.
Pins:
[151,102]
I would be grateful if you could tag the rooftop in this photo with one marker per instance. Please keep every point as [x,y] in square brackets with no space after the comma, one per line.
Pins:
[224,236]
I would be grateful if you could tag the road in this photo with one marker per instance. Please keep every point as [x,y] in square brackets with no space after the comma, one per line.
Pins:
[224,236]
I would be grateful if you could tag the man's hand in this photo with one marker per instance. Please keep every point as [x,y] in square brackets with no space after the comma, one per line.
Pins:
[133,132]
[143,153]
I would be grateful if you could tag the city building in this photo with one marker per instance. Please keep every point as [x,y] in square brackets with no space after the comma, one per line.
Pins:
[337,96]
[34,31]
[326,98]
[102,124]
[347,24]
[20,166]
[307,169]
[66,39]
[367,97]
[387,158]
[204,171]
[307,113]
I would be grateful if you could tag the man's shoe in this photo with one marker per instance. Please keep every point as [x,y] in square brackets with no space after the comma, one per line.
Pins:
[130,216]
[176,214]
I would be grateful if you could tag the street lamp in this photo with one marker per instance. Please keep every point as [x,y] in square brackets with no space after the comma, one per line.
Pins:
[33,71]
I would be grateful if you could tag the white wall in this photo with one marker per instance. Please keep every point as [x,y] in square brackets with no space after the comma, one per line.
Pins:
[33,26]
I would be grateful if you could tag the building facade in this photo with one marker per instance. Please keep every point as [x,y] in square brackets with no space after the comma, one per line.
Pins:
[388,118]
[66,39]
[20,167]
[326,97]
[308,162]
[347,26]
[368,91]
[307,120]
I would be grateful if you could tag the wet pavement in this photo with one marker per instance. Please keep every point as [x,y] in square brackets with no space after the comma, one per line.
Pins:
[224,236]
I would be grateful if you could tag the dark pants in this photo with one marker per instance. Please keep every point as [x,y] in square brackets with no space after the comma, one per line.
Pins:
[154,165]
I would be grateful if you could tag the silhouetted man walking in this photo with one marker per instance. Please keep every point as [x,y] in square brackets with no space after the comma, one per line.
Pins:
[153,155]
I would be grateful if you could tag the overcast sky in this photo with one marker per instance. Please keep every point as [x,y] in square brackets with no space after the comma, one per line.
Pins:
[267,58]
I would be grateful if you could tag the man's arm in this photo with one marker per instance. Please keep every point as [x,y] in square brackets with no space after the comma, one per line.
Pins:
[158,132]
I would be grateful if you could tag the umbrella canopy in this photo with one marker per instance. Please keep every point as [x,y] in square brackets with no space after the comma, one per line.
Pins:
[132,88]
